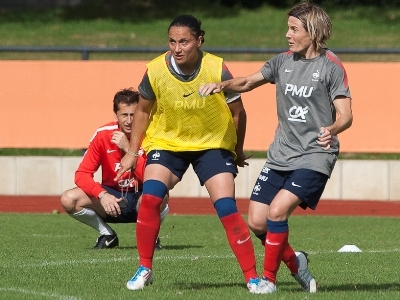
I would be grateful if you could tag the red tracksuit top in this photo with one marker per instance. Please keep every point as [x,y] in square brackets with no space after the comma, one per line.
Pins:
[102,153]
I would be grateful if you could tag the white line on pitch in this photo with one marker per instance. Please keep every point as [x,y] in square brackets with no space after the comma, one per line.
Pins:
[162,257]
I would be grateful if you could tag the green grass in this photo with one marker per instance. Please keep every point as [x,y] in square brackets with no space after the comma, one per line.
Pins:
[264,27]
[40,152]
[46,256]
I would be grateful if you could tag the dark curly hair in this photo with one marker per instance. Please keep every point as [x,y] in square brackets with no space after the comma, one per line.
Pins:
[127,96]
[191,22]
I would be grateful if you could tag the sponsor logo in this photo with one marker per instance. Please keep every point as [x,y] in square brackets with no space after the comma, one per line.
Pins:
[265,170]
[243,241]
[298,114]
[271,243]
[190,104]
[110,151]
[315,76]
[187,95]
[108,243]
[263,177]
[288,70]
[228,164]
[256,189]
[126,182]
[155,156]
[118,166]
[296,185]
[303,91]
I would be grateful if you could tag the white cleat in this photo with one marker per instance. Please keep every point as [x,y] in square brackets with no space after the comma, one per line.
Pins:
[142,277]
[252,285]
[266,287]
[304,276]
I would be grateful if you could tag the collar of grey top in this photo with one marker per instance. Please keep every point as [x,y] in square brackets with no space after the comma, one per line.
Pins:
[175,68]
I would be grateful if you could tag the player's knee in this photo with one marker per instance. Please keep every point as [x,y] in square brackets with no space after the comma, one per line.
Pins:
[257,226]
[277,213]
[68,201]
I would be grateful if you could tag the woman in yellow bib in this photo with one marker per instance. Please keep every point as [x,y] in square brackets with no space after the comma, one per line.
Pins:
[181,128]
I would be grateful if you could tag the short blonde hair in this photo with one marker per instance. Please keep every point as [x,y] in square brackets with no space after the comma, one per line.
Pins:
[315,21]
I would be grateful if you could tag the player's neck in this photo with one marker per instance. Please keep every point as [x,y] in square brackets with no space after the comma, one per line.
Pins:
[311,53]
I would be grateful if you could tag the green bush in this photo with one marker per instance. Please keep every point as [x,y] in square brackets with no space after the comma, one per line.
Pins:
[144,11]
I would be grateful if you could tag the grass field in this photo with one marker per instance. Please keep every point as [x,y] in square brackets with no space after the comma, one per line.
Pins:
[46,256]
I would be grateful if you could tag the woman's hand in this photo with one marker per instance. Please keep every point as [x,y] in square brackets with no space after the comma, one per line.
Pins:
[325,138]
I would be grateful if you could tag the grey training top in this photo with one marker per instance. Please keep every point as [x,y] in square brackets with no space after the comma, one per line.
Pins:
[305,92]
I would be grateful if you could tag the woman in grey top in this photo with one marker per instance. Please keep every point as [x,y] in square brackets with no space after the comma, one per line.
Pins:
[314,106]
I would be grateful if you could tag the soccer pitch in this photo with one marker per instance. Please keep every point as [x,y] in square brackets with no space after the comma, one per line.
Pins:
[46,256]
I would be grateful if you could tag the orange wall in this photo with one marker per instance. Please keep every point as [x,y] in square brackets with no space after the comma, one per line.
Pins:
[59,104]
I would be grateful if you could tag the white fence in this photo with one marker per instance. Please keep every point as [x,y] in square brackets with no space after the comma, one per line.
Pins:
[351,179]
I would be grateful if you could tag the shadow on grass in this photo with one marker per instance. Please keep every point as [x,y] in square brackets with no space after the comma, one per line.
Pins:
[335,288]
[181,247]
[359,287]
[168,247]
[184,285]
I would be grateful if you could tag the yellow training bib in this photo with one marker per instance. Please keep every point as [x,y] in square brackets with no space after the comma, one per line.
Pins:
[181,120]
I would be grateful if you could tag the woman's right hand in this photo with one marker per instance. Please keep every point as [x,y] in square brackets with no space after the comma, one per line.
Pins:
[127,162]
[209,89]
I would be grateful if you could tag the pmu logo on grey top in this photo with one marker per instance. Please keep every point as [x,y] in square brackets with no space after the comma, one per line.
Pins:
[303,91]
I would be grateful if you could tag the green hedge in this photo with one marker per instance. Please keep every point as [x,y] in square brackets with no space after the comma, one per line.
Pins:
[142,11]
[328,3]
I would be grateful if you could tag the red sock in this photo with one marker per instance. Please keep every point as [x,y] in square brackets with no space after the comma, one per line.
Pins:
[289,258]
[147,228]
[274,247]
[239,239]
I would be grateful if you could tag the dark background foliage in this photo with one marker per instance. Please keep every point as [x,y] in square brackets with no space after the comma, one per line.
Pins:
[145,10]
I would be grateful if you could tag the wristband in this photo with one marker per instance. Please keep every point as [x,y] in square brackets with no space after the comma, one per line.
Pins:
[132,153]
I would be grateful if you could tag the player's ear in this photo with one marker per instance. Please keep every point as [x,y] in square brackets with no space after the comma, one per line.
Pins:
[200,41]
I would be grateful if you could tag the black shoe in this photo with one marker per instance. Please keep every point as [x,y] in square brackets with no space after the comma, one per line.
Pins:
[158,245]
[106,242]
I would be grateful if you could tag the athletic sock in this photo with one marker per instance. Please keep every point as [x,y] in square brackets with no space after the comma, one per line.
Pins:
[277,236]
[289,258]
[262,238]
[288,255]
[238,235]
[148,221]
[89,217]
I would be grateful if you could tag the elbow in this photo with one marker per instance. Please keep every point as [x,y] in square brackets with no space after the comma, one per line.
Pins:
[350,121]
[78,176]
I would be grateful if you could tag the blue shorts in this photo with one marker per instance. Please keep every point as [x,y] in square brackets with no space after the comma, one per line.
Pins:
[206,163]
[128,214]
[306,184]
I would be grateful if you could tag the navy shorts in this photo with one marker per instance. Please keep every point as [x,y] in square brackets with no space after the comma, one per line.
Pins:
[128,214]
[206,163]
[306,184]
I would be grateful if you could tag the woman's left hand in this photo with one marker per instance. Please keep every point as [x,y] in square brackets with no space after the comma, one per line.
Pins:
[325,138]
[241,159]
